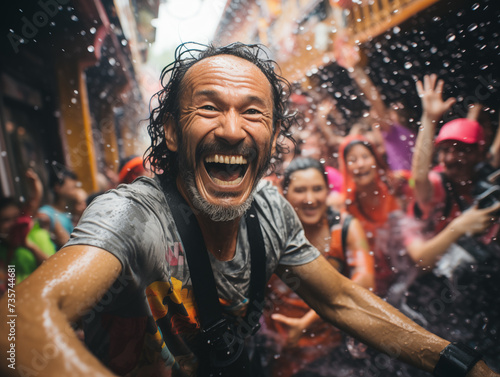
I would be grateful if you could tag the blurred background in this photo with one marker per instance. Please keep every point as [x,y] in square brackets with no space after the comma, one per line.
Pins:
[76,76]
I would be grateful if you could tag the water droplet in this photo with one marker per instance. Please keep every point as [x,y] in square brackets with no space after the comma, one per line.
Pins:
[408,65]
[74,18]
[483,67]
[90,48]
[475,6]
[93,30]
[472,27]
[450,37]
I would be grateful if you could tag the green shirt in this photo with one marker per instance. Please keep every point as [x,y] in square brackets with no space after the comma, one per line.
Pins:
[22,258]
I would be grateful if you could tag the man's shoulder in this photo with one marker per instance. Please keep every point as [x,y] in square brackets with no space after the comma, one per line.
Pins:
[141,188]
[266,191]
[144,193]
[271,203]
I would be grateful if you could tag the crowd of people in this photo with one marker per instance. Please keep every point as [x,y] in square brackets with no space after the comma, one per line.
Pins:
[33,230]
[410,215]
[418,197]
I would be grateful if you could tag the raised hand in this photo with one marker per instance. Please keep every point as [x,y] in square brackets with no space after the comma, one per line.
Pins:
[431,94]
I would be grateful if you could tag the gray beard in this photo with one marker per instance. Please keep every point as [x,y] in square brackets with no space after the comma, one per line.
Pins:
[213,211]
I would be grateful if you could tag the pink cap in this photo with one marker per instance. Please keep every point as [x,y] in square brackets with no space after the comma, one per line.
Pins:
[462,129]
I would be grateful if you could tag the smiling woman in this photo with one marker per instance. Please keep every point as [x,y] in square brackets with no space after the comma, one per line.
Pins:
[342,241]
[370,197]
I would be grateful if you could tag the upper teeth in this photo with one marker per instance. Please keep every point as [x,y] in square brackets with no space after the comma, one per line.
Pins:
[221,159]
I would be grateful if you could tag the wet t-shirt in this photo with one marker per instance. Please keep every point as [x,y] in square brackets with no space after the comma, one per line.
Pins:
[147,322]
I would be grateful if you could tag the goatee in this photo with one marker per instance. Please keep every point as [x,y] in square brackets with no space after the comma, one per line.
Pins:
[214,212]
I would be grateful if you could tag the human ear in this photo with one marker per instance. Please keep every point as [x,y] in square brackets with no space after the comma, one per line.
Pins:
[274,140]
[170,134]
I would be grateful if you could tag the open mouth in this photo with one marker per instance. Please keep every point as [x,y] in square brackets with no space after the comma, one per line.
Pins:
[362,174]
[226,170]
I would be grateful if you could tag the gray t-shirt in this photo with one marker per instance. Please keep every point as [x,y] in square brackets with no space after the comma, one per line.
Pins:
[148,318]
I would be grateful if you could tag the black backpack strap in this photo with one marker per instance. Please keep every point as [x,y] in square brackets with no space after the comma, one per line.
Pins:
[345,231]
[451,193]
[200,269]
[258,277]
[448,203]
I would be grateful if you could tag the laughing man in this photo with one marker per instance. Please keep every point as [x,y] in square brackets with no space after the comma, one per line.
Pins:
[125,273]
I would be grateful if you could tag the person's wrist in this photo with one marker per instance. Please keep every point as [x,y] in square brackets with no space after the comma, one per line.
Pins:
[456,360]
[432,118]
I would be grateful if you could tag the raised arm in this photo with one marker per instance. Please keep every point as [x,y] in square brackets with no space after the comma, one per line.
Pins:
[349,58]
[430,91]
[367,317]
[35,187]
[58,293]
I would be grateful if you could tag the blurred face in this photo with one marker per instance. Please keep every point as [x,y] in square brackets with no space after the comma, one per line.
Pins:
[67,189]
[458,159]
[8,217]
[227,134]
[307,193]
[80,202]
[361,165]
[312,147]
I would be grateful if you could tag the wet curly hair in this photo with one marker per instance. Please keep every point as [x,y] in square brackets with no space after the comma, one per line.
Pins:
[164,161]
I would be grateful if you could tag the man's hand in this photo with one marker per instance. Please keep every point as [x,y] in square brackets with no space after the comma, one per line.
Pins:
[431,96]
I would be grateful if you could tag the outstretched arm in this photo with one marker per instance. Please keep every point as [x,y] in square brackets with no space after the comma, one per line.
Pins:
[430,91]
[367,317]
[59,292]
[473,221]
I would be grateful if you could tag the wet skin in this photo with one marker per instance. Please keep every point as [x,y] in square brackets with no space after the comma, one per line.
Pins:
[307,193]
[226,110]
